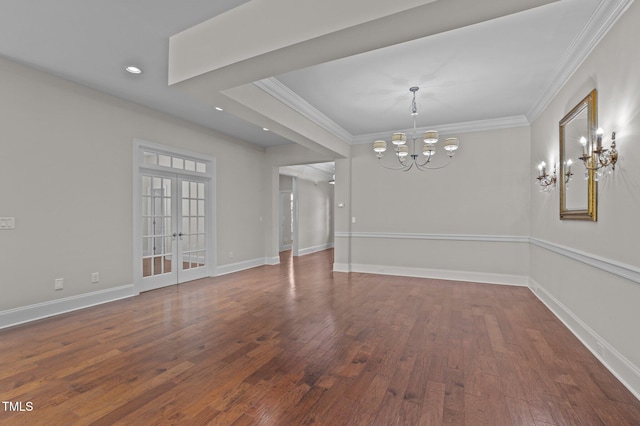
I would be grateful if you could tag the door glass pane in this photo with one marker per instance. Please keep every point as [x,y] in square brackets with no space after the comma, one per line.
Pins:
[193,224]
[166,264]
[164,160]
[178,163]
[150,158]
[146,267]
[146,206]
[146,185]
[156,225]
[146,226]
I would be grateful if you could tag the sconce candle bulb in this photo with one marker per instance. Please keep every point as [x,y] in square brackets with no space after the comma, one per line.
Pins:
[598,159]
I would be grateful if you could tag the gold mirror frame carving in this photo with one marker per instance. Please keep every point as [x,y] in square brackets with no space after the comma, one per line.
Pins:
[589,213]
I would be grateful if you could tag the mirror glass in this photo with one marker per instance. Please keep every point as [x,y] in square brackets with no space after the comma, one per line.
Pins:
[577,185]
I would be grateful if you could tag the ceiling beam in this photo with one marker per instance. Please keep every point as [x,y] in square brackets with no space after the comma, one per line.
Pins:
[217,60]
[265,38]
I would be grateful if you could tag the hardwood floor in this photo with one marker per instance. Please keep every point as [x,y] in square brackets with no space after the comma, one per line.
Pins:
[296,344]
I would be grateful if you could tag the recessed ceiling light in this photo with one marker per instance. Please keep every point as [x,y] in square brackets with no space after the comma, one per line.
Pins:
[219,109]
[265,129]
[133,69]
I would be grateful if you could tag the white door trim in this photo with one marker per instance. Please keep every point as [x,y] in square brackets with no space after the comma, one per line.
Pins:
[138,166]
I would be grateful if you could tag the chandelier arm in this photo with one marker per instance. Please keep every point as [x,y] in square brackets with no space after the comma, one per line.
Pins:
[403,167]
[421,165]
[424,166]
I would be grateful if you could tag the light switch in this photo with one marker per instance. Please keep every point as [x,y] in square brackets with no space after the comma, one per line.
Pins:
[7,223]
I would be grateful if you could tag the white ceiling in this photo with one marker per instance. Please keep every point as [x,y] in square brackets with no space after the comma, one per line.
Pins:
[485,71]
[496,69]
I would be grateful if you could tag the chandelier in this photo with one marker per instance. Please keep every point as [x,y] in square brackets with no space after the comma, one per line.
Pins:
[408,157]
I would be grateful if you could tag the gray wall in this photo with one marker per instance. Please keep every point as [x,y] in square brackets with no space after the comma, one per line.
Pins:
[315,212]
[589,272]
[66,176]
[469,220]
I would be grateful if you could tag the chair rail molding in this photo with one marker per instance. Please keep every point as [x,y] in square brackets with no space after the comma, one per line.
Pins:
[611,266]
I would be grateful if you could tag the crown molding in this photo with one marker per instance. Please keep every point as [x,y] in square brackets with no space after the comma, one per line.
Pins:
[604,17]
[278,90]
[457,128]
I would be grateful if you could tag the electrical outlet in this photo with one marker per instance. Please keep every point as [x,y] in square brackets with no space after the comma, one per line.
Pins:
[230,255]
[7,223]
[58,284]
[95,277]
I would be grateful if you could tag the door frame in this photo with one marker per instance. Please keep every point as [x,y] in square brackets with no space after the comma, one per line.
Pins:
[282,246]
[139,145]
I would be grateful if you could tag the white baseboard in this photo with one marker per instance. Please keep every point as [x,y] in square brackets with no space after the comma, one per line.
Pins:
[246,264]
[341,267]
[38,311]
[441,274]
[275,260]
[616,363]
[314,249]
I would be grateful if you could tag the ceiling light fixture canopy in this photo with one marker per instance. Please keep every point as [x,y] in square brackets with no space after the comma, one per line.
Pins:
[406,157]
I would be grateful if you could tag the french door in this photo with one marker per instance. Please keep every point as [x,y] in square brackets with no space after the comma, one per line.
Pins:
[174,212]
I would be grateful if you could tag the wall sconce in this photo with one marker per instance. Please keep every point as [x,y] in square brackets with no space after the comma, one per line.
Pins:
[599,159]
[568,173]
[546,181]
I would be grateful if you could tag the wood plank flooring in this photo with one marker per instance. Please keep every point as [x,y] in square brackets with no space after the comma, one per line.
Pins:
[295,344]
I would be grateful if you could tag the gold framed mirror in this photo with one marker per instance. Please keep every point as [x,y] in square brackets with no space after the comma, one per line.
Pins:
[578,188]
